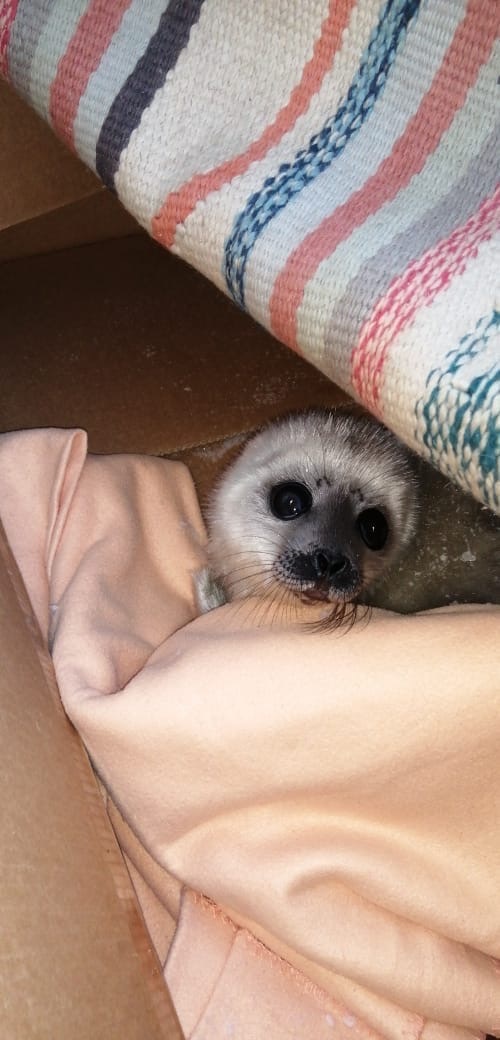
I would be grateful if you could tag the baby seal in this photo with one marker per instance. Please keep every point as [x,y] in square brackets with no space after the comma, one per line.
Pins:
[317,506]
[330,507]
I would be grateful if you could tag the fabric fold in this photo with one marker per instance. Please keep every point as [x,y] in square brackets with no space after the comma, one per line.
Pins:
[334,795]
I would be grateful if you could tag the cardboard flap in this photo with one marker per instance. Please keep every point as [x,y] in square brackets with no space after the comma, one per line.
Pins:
[37,173]
[76,958]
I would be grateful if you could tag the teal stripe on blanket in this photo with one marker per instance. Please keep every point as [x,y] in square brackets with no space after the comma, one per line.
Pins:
[138,91]
[450,420]
[324,146]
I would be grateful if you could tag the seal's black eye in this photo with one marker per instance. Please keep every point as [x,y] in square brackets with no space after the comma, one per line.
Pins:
[290,500]
[373,528]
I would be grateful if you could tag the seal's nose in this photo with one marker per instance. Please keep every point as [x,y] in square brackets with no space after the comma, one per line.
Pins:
[327,565]
[324,572]
[320,565]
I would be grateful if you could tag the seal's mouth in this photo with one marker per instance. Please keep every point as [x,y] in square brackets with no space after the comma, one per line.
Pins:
[314,595]
[320,575]
[322,591]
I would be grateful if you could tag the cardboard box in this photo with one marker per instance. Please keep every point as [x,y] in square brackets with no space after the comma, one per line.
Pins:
[103,330]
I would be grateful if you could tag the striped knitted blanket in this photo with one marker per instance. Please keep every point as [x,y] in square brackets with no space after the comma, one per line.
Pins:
[331,165]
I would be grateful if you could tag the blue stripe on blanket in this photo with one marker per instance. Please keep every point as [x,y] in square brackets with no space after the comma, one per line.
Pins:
[459,419]
[138,91]
[324,146]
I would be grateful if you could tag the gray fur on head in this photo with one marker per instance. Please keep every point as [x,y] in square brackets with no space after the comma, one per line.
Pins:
[318,505]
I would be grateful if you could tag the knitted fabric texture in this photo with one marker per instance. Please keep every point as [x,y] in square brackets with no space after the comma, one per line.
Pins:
[332,166]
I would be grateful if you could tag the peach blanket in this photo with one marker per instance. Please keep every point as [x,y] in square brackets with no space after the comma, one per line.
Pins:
[328,803]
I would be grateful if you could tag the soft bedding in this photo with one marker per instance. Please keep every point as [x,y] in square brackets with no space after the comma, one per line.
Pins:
[315,816]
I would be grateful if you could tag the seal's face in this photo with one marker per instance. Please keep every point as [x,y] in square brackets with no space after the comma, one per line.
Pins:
[317,506]
[333,546]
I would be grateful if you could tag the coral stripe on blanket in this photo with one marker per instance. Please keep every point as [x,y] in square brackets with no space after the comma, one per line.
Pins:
[369,81]
[180,203]
[95,30]
[421,137]
[8,9]
[417,287]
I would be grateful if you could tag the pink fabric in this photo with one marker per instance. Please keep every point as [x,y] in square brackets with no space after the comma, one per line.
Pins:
[336,796]
[234,973]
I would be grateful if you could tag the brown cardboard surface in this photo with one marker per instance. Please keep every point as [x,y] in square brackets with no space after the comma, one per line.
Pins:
[130,343]
[37,173]
[76,961]
[96,217]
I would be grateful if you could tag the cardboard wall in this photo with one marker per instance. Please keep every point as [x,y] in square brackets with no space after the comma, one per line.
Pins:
[111,332]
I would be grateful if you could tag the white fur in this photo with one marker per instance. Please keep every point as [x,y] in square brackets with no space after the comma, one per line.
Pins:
[350,463]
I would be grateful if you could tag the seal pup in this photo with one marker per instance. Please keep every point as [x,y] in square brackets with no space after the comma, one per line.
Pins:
[330,507]
[317,506]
